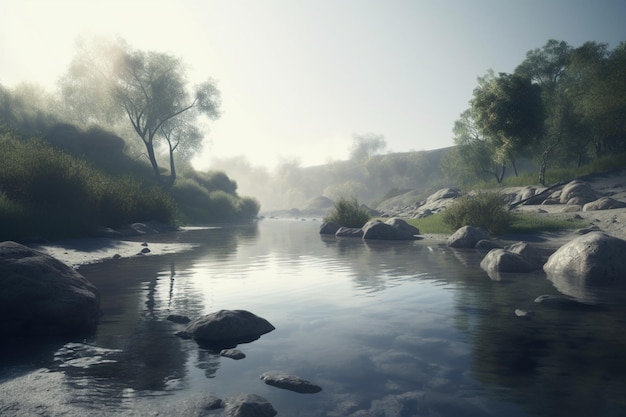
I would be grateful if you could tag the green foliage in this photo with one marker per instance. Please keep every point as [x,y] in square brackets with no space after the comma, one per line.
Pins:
[53,194]
[484,209]
[206,203]
[348,213]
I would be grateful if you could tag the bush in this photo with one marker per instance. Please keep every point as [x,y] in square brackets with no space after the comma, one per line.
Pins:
[51,194]
[348,213]
[484,209]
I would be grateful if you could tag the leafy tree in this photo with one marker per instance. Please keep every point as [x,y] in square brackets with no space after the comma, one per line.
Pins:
[508,110]
[109,81]
[474,157]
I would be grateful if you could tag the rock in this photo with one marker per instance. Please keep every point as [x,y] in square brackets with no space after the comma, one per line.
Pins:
[290,382]
[467,237]
[524,314]
[403,225]
[527,251]
[487,244]
[227,328]
[591,268]
[562,302]
[595,258]
[349,232]
[41,296]
[443,193]
[233,354]
[501,260]
[604,203]
[329,228]
[178,318]
[249,405]
[145,250]
[378,230]
[577,189]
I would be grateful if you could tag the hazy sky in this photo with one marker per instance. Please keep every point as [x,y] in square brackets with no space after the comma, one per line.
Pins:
[300,78]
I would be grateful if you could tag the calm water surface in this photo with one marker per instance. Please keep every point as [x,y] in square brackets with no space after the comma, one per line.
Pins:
[387,329]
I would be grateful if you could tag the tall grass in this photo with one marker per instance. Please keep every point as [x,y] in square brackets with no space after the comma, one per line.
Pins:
[52,194]
[348,213]
[484,209]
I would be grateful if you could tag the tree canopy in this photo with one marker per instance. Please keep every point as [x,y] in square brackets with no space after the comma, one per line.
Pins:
[561,106]
[112,84]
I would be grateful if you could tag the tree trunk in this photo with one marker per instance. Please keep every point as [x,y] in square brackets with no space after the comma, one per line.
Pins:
[153,160]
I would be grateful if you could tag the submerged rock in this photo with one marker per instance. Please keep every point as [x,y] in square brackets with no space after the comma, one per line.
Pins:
[178,318]
[290,382]
[41,296]
[249,405]
[233,354]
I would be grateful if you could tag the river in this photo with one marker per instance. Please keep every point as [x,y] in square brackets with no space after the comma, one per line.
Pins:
[385,328]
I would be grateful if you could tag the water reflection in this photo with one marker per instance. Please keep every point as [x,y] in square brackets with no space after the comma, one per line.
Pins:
[386,328]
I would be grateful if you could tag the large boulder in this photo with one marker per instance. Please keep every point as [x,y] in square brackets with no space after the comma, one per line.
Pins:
[467,237]
[41,296]
[377,230]
[577,192]
[227,328]
[591,268]
[403,225]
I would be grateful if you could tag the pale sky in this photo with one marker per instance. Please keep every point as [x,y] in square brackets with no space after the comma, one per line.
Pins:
[300,78]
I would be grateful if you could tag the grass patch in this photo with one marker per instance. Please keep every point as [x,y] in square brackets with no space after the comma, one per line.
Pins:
[433,224]
[528,224]
[348,213]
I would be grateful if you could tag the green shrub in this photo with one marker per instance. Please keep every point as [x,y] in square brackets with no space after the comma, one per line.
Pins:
[348,213]
[59,195]
[484,209]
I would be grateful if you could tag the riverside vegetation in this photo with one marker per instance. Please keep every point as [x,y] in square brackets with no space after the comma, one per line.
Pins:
[47,192]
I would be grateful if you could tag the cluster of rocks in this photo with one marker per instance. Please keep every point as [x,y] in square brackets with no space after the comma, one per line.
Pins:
[587,268]
[576,195]
[392,229]
[223,330]
[434,203]
[43,297]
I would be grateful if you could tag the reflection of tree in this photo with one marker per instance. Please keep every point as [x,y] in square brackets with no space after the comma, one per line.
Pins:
[565,362]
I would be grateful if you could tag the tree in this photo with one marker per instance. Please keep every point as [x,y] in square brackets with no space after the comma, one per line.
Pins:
[149,90]
[509,111]
[474,157]
[364,146]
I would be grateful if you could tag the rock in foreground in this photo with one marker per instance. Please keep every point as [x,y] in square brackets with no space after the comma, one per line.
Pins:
[249,405]
[227,328]
[41,296]
[290,382]
[594,258]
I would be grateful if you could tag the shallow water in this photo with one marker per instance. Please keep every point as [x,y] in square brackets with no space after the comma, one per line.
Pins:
[385,328]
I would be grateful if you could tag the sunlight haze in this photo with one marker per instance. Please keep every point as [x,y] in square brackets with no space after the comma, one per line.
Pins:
[299,78]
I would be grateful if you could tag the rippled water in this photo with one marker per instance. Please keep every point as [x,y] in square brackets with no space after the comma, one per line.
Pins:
[385,328]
